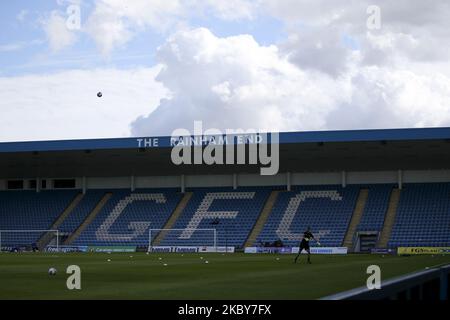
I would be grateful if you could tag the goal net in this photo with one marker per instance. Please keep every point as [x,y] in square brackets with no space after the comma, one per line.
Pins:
[28,240]
[182,238]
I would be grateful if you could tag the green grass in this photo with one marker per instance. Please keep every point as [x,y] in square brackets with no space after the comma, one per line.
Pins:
[231,276]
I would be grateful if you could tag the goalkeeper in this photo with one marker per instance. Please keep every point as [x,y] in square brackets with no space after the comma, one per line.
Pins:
[304,244]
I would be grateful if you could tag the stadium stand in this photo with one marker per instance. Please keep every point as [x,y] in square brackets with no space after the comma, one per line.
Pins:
[233,213]
[405,171]
[326,209]
[28,210]
[375,209]
[127,216]
[79,214]
[423,216]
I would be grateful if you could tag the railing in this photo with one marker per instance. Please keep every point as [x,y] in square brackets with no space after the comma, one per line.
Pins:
[432,284]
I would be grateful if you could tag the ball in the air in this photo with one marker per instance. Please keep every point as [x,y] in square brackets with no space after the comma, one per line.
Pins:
[99,94]
[52,271]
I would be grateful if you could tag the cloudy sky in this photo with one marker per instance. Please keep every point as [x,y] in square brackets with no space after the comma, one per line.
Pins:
[287,65]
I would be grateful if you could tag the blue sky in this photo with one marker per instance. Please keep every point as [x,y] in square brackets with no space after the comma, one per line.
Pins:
[285,65]
[35,55]
[24,48]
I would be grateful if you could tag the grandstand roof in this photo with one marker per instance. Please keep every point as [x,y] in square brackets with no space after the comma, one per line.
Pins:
[285,137]
[383,149]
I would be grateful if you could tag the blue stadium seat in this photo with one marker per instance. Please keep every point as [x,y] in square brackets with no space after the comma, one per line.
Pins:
[375,208]
[28,210]
[81,211]
[148,208]
[245,203]
[326,209]
[423,216]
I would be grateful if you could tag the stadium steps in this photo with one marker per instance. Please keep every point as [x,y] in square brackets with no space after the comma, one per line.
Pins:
[173,218]
[47,237]
[259,225]
[89,218]
[389,218]
[356,218]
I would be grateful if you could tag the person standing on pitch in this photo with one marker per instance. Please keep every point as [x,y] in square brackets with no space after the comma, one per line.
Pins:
[304,244]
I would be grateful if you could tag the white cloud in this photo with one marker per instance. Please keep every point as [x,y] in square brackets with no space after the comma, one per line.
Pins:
[22,15]
[58,35]
[107,29]
[16,46]
[65,105]
[234,82]
[330,73]
[232,9]
[12,46]
[114,22]
[321,49]
[410,29]
[386,98]
[68,2]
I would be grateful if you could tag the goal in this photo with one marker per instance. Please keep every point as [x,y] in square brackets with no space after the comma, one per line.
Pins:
[186,237]
[28,240]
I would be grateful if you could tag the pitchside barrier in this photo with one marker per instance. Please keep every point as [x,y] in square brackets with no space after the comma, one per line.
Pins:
[118,249]
[185,249]
[28,240]
[66,249]
[107,249]
[431,284]
[383,251]
[183,238]
[422,250]
[291,250]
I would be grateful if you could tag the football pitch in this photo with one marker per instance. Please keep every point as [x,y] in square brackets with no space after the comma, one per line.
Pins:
[189,276]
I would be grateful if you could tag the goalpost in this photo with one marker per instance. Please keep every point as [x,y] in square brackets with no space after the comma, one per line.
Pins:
[28,238]
[187,237]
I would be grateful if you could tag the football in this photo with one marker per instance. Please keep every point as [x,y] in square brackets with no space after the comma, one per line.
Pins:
[99,94]
[52,271]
